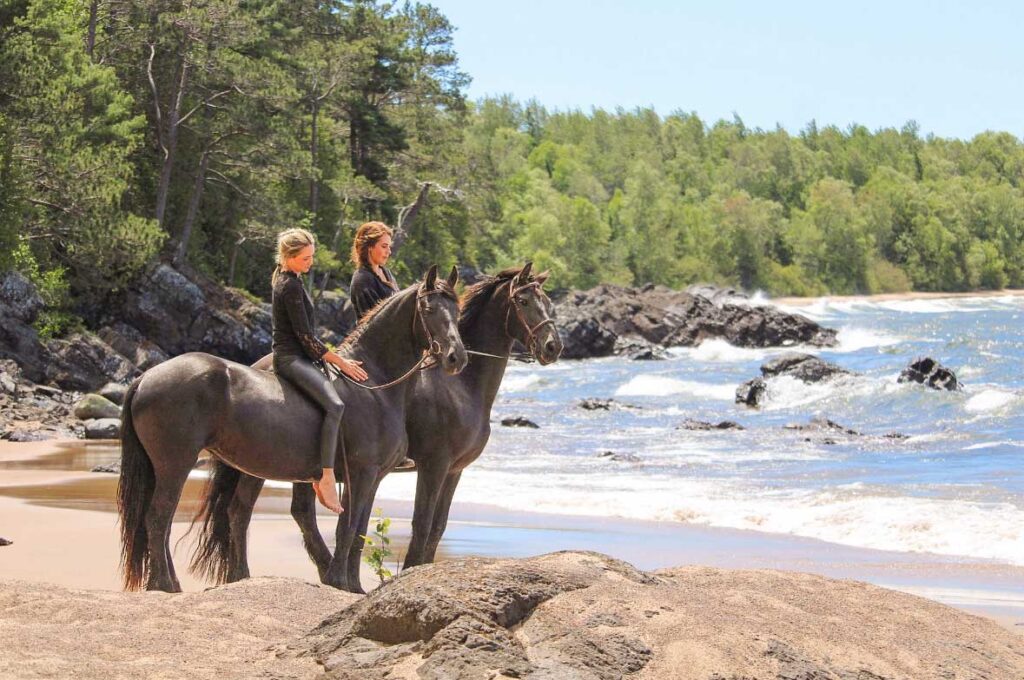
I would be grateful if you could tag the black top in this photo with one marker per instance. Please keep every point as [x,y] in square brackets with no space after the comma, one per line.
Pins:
[294,319]
[367,289]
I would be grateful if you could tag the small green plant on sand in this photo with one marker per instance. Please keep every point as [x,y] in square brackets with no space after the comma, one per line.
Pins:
[379,547]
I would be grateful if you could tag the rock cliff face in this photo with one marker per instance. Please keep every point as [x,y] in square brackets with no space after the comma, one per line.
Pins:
[588,616]
[613,320]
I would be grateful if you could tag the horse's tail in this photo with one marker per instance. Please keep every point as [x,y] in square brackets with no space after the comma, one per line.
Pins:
[134,492]
[211,559]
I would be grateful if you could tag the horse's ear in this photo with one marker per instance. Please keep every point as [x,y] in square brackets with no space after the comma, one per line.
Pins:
[453,277]
[542,277]
[431,278]
[524,273]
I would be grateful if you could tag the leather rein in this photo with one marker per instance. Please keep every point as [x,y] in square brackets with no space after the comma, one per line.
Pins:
[430,354]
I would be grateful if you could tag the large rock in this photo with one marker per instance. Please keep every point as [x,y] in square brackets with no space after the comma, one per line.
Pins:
[597,322]
[94,406]
[182,311]
[114,392]
[82,361]
[585,616]
[103,428]
[805,367]
[19,299]
[131,344]
[928,371]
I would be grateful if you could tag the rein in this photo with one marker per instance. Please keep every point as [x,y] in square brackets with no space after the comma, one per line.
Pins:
[427,361]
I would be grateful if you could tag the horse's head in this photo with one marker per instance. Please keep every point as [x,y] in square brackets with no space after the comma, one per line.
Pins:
[531,316]
[437,308]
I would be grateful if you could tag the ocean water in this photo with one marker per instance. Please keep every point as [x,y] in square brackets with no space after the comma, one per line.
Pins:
[954,486]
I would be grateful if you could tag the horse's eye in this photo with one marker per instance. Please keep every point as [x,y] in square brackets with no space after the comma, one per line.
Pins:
[520,300]
[428,309]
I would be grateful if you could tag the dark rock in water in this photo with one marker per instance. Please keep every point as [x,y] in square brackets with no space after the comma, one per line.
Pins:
[822,424]
[5,541]
[603,405]
[94,406]
[519,421]
[805,367]
[103,428]
[896,435]
[702,425]
[717,295]
[114,392]
[649,354]
[113,468]
[751,392]
[619,457]
[610,319]
[930,372]
[479,618]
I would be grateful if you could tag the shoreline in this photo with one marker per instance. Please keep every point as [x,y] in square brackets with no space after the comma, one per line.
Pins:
[794,301]
[38,489]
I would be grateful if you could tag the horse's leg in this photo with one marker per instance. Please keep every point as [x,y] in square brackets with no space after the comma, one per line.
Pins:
[429,479]
[239,517]
[356,503]
[355,555]
[167,492]
[304,514]
[444,505]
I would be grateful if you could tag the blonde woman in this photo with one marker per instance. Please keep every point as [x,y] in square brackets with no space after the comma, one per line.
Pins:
[297,351]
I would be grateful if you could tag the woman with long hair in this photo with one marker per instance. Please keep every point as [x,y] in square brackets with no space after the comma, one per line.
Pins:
[298,352]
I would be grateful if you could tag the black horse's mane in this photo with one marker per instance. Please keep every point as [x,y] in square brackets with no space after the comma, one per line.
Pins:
[360,328]
[479,294]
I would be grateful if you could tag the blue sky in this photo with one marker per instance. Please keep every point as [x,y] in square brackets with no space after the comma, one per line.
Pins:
[957,68]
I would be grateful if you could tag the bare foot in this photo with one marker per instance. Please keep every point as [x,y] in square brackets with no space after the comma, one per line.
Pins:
[327,491]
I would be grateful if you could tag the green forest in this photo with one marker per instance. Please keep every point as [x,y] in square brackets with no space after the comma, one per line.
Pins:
[193,131]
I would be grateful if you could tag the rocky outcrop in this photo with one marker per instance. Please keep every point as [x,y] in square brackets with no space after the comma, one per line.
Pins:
[30,412]
[928,371]
[613,320]
[588,616]
[519,421]
[804,367]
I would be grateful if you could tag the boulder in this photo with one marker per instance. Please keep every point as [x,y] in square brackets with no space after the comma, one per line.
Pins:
[701,425]
[113,468]
[181,311]
[5,541]
[619,457]
[805,367]
[94,406]
[519,421]
[114,392]
[608,319]
[19,298]
[586,616]
[82,361]
[751,392]
[928,371]
[103,428]
[130,343]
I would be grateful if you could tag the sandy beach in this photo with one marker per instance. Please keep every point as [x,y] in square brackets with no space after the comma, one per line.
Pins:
[61,519]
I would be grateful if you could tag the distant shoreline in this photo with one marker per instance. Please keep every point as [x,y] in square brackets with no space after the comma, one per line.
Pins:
[885,297]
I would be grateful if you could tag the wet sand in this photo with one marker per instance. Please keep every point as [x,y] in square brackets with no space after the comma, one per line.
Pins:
[62,520]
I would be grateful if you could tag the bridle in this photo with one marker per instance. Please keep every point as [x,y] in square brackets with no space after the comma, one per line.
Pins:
[431,355]
[532,332]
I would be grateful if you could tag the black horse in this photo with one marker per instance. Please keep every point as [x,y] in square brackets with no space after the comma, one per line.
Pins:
[256,422]
[448,427]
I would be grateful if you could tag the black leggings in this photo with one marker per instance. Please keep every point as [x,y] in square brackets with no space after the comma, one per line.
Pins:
[303,374]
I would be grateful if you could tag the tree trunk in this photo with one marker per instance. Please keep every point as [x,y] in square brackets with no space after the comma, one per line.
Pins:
[408,214]
[193,207]
[234,258]
[314,150]
[163,188]
[90,37]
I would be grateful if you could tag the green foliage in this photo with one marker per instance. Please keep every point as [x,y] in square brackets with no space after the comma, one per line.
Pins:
[54,319]
[378,544]
[196,131]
